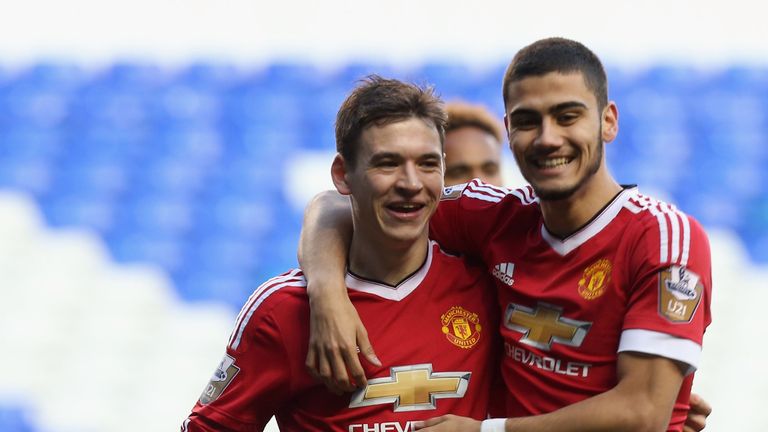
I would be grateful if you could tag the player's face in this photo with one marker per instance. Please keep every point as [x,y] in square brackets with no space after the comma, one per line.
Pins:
[556,132]
[397,181]
[470,153]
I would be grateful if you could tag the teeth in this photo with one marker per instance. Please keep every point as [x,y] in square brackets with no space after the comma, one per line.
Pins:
[406,206]
[551,163]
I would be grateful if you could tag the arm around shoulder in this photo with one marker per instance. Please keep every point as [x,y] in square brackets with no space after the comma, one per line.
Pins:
[336,332]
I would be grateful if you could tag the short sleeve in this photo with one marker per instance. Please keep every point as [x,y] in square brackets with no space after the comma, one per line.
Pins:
[251,382]
[669,290]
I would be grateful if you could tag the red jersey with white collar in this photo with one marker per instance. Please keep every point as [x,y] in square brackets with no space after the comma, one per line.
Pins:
[435,334]
[636,278]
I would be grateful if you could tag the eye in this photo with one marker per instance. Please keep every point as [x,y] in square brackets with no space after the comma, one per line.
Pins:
[386,163]
[567,118]
[490,168]
[524,122]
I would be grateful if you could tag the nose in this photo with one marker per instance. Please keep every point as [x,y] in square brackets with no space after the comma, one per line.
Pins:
[549,135]
[409,181]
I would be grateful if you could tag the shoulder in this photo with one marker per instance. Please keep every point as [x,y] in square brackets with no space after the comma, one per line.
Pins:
[658,215]
[670,230]
[479,195]
[457,266]
[278,296]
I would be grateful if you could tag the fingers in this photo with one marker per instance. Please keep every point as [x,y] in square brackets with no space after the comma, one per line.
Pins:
[332,358]
[325,371]
[421,425]
[366,349]
[354,368]
[695,422]
[338,366]
[699,405]
[697,415]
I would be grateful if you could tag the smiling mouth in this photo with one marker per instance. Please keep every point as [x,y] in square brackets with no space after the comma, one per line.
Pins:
[405,207]
[552,162]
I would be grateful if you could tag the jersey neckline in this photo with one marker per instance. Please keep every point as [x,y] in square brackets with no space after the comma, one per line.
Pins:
[389,292]
[598,223]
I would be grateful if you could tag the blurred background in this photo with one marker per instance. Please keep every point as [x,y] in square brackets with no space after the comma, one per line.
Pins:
[156,156]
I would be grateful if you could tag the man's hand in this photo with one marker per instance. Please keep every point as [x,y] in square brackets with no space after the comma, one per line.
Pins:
[697,415]
[335,333]
[448,423]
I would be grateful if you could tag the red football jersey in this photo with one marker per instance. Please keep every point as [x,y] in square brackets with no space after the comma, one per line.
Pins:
[435,334]
[635,278]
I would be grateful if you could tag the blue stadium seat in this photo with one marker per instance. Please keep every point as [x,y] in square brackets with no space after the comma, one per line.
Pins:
[30,143]
[206,285]
[236,216]
[349,75]
[39,107]
[31,175]
[185,167]
[222,252]
[78,210]
[264,146]
[754,229]
[197,144]
[208,76]
[50,75]
[184,104]
[450,79]
[742,78]
[14,418]
[711,211]
[169,176]
[719,110]
[320,119]
[294,77]
[153,214]
[100,105]
[136,76]
[672,79]
[132,247]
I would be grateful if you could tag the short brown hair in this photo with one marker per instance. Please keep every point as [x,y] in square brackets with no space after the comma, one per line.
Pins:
[558,55]
[380,101]
[462,114]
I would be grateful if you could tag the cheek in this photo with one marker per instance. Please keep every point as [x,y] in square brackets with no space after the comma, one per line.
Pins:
[435,184]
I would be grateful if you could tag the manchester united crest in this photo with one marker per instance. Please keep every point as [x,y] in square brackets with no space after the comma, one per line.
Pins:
[461,327]
[595,279]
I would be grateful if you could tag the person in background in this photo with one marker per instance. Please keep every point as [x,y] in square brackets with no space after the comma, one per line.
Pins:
[473,142]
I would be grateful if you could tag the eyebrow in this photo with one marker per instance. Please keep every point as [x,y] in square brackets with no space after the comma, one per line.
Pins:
[555,109]
[397,156]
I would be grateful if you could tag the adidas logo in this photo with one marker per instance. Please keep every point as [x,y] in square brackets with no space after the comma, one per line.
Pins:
[504,272]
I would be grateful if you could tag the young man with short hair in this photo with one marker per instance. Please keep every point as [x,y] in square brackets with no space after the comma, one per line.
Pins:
[431,314]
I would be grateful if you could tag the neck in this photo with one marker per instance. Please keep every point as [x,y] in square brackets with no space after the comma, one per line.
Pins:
[564,217]
[384,262]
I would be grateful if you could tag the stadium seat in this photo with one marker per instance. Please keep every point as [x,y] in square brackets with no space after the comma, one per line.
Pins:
[14,419]
[158,159]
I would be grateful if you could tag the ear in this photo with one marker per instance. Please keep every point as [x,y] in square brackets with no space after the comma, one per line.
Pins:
[339,175]
[610,122]
[506,125]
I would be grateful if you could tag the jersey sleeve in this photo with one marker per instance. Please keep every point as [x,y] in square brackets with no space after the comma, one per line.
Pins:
[464,218]
[670,289]
[252,381]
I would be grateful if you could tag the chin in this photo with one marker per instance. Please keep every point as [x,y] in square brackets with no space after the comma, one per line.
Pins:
[404,236]
[555,193]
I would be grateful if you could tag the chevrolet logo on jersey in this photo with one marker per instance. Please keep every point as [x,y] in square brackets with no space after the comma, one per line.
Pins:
[412,388]
[544,325]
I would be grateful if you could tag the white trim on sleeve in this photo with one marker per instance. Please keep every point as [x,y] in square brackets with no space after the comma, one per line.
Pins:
[662,345]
